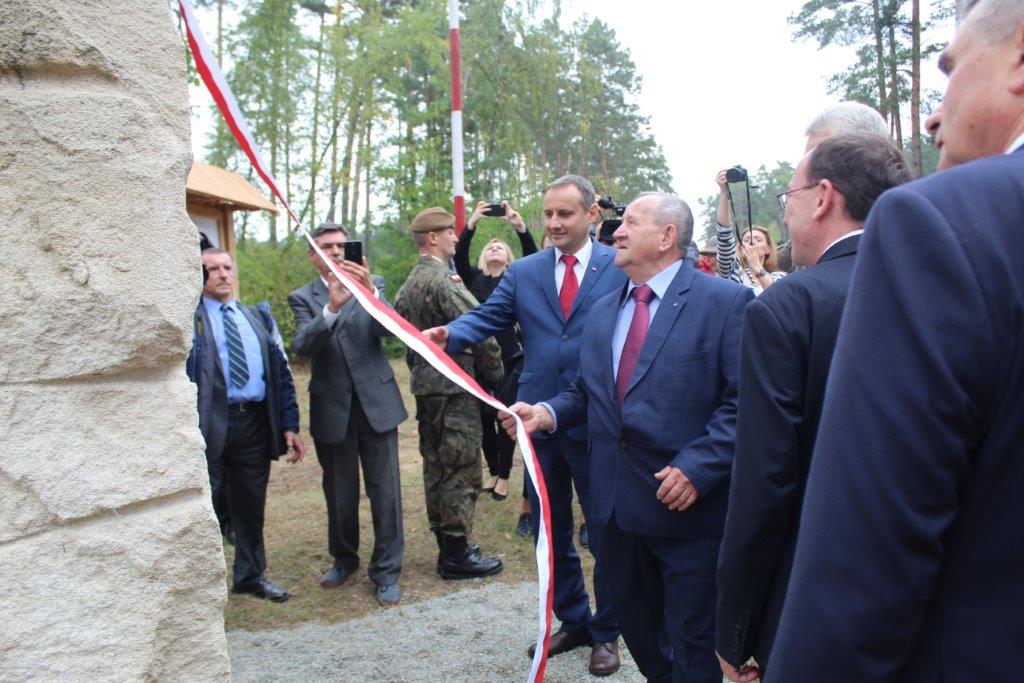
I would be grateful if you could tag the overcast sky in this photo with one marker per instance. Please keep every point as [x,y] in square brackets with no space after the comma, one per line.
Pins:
[723,82]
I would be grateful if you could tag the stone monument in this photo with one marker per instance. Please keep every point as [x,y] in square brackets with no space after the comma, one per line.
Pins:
[111,565]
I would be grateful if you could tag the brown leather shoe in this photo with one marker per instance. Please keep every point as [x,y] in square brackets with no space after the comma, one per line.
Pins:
[604,658]
[563,642]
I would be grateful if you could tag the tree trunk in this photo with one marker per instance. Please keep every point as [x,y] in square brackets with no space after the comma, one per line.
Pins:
[883,99]
[915,87]
[894,95]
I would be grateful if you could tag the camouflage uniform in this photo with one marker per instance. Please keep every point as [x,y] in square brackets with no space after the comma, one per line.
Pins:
[448,417]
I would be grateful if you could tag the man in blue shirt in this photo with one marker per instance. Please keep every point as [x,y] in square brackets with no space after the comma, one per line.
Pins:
[247,414]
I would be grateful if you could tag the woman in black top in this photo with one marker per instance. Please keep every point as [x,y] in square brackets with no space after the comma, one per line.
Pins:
[481,280]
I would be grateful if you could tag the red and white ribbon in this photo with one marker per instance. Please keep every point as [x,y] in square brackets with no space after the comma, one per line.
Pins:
[212,77]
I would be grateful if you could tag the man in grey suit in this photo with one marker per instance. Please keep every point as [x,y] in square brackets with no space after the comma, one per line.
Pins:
[354,412]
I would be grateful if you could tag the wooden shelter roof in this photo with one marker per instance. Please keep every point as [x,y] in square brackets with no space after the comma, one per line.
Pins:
[222,187]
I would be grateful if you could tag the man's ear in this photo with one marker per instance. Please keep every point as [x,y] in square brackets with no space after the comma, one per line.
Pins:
[670,237]
[1016,84]
[593,213]
[827,200]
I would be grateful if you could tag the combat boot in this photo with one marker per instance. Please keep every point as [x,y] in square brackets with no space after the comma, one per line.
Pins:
[473,548]
[462,561]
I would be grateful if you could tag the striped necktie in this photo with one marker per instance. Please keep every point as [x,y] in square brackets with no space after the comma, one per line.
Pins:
[237,364]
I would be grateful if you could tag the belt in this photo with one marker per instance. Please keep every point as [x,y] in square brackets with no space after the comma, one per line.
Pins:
[246,407]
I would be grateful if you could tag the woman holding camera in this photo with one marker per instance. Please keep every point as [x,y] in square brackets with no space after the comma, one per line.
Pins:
[756,263]
[495,258]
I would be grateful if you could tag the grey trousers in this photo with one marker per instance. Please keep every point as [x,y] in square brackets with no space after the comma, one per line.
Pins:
[340,463]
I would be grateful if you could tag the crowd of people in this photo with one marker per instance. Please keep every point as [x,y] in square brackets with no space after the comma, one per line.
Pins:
[798,461]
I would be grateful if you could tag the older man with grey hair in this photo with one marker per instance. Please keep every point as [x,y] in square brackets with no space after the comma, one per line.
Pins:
[657,387]
[908,562]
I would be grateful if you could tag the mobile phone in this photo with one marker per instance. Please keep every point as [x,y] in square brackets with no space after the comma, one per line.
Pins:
[494,210]
[354,252]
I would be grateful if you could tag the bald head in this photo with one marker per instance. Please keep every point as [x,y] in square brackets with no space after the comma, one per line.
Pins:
[845,118]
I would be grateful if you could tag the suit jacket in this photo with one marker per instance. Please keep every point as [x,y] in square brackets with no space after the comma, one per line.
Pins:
[551,342]
[679,410]
[789,334]
[204,368]
[346,359]
[909,561]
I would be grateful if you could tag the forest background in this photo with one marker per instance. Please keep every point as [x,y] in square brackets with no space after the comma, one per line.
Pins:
[349,101]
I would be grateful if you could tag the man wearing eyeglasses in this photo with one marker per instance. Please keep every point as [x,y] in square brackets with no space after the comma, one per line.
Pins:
[789,334]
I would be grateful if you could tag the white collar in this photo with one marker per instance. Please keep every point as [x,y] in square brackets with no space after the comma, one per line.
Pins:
[1016,144]
[849,234]
[583,255]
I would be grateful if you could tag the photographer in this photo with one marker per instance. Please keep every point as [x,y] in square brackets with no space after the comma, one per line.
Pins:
[481,280]
[755,263]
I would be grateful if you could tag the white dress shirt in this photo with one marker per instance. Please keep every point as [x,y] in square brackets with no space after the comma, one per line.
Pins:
[659,284]
[582,260]
[1016,144]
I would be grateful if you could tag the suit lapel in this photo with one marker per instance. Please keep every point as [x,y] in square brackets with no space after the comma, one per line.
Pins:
[203,318]
[546,273]
[320,295]
[665,318]
[600,257]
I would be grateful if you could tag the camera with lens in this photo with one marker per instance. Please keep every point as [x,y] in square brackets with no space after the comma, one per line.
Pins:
[736,174]
[609,226]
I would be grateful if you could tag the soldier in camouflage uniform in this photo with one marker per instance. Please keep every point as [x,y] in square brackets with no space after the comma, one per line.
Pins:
[448,417]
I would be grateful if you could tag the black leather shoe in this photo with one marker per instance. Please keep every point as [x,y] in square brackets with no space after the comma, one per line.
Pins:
[562,641]
[584,536]
[524,527]
[264,589]
[462,561]
[336,576]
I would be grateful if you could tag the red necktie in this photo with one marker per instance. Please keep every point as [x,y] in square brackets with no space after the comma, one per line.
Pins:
[570,285]
[642,296]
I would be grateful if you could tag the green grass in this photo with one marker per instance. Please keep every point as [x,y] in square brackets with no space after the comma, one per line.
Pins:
[296,537]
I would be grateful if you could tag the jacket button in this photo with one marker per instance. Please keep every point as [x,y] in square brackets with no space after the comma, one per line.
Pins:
[622,444]
[565,337]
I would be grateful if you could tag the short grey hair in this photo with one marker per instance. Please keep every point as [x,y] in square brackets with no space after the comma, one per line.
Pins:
[586,190]
[848,118]
[992,21]
[673,210]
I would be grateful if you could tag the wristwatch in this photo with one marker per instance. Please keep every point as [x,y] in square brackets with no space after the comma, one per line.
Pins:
[760,272]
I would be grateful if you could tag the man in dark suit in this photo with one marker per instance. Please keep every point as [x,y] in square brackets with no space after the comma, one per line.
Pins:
[355,408]
[247,413]
[657,387]
[549,294]
[789,333]
[908,564]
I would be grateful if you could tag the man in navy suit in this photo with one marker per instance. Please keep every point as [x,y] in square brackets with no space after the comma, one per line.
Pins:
[657,386]
[550,294]
[789,334]
[908,564]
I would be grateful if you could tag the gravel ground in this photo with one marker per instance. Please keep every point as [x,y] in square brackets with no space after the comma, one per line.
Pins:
[477,634]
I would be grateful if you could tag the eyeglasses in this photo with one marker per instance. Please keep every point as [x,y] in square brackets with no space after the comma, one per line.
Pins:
[783,197]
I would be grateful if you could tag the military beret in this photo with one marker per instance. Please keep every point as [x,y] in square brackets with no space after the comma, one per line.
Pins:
[434,218]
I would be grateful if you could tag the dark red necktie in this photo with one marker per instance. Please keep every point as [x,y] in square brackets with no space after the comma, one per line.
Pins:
[570,285]
[642,296]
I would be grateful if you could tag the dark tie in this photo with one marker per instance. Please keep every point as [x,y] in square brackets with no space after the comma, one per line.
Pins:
[642,296]
[570,285]
[238,367]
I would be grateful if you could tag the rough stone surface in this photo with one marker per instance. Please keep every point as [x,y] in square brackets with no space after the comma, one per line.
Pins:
[109,551]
